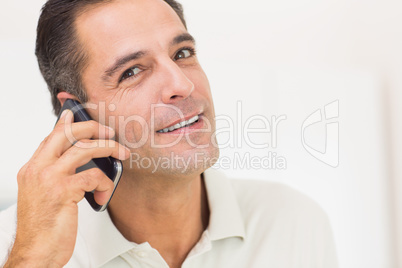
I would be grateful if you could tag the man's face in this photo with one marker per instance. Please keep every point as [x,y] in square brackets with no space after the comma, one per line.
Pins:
[142,70]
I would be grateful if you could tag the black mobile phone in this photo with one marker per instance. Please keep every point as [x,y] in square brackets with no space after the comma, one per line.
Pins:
[112,167]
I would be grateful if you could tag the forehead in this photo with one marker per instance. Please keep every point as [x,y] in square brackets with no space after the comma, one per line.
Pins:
[127,24]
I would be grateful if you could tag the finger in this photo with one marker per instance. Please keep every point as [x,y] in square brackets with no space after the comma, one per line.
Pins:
[91,180]
[82,130]
[68,133]
[85,150]
[40,148]
[102,197]
[65,118]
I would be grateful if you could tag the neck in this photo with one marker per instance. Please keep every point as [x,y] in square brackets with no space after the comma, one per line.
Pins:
[170,213]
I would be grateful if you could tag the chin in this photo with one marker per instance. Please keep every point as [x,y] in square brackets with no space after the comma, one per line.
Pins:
[175,163]
[192,162]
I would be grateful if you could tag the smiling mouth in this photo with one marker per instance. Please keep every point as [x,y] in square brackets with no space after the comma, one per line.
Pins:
[183,124]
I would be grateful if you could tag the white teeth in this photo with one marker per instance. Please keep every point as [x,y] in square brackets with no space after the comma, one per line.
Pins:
[192,120]
[180,125]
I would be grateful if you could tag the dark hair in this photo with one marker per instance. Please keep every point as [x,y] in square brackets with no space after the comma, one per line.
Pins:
[60,56]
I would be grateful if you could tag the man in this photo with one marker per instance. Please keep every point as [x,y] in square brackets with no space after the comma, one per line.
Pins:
[133,63]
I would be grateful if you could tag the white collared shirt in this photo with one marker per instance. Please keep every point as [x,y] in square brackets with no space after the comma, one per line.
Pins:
[252,224]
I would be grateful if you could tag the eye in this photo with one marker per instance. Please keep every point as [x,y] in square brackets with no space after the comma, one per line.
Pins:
[132,72]
[184,53]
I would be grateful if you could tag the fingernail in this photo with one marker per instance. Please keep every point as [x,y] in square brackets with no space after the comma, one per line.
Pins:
[63,114]
[128,152]
[123,155]
[111,131]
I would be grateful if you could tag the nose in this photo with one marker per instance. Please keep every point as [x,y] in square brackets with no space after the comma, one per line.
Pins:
[175,85]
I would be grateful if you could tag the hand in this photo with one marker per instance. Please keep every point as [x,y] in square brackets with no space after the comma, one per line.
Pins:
[49,190]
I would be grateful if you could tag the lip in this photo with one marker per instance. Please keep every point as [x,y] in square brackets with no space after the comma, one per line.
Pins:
[182,119]
[189,129]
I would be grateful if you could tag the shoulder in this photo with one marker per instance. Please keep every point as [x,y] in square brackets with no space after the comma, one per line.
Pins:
[267,199]
[277,214]
[282,225]
[8,224]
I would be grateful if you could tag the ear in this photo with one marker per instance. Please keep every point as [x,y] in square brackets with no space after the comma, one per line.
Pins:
[63,96]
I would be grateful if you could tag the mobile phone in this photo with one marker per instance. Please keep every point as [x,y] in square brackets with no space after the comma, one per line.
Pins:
[112,167]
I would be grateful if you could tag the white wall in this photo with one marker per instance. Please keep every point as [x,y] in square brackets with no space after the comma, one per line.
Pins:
[277,58]
[25,111]
[293,57]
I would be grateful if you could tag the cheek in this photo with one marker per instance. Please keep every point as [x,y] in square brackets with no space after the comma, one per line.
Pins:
[129,117]
[133,131]
[131,122]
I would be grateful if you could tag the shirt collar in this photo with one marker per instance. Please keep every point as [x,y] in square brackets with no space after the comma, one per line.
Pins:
[104,242]
[225,219]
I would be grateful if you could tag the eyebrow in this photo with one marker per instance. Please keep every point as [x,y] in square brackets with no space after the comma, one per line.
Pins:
[182,38]
[120,62]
